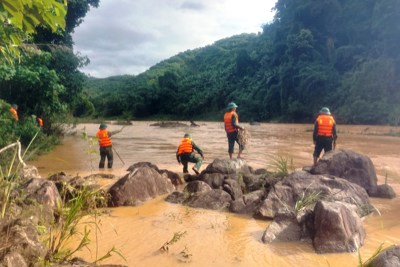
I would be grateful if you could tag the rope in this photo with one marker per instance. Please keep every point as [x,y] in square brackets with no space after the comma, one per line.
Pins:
[243,137]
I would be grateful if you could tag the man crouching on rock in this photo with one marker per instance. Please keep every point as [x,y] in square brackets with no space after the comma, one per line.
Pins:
[185,154]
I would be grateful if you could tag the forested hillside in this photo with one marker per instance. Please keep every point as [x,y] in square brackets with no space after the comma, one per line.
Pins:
[38,67]
[335,53]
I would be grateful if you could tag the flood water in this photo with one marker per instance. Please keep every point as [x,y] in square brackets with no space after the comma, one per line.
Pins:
[219,238]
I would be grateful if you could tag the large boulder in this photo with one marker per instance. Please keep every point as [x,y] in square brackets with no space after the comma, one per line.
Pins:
[337,228]
[300,185]
[141,184]
[351,166]
[43,191]
[142,164]
[21,245]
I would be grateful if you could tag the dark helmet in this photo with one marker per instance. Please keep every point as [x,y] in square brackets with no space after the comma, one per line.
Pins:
[102,126]
[187,135]
[231,105]
[325,110]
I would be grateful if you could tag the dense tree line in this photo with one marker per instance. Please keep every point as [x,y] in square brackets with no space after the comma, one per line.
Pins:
[335,53]
[38,68]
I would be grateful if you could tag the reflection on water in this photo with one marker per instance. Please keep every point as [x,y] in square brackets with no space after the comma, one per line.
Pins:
[217,238]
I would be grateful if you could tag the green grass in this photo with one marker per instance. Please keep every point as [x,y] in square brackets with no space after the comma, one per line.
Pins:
[282,166]
[306,200]
[368,262]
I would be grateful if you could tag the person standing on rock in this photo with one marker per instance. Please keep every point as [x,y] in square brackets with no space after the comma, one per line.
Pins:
[324,134]
[232,128]
[104,137]
[185,154]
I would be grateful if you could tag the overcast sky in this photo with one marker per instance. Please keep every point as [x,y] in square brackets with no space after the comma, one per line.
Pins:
[130,36]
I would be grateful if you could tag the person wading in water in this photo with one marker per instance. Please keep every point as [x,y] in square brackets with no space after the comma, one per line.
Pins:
[104,137]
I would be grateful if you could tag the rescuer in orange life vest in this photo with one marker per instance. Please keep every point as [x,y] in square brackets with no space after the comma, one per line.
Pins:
[185,154]
[232,128]
[40,122]
[324,135]
[14,112]
[104,137]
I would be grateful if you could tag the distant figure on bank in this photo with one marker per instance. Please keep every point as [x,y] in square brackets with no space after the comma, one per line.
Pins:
[104,137]
[232,128]
[324,135]
[14,112]
[185,154]
[40,122]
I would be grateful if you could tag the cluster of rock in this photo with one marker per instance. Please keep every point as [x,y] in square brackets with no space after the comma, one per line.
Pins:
[35,203]
[323,204]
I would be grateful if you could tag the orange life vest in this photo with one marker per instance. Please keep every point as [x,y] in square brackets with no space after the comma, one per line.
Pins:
[228,121]
[325,125]
[14,113]
[104,139]
[40,121]
[185,146]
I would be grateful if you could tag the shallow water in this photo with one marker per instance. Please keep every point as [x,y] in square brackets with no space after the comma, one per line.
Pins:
[217,238]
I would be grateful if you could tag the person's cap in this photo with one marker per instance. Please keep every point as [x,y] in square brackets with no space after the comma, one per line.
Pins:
[325,110]
[103,126]
[14,106]
[231,105]
[187,135]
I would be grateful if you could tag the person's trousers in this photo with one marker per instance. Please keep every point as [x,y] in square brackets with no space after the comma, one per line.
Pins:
[106,152]
[190,157]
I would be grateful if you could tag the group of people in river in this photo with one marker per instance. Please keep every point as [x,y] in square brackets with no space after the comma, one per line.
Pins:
[324,138]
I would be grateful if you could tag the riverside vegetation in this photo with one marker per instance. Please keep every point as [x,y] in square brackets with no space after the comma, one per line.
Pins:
[63,222]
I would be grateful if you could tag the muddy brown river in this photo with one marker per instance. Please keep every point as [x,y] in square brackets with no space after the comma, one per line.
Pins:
[217,238]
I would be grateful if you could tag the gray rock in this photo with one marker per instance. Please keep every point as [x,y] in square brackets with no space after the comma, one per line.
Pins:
[14,259]
[282,229]
[385,191]
[215,180]
[28,172]
[141,184]
[285,194]
[196,187]
[43,191]
[389,257]
[226,166]
[337,228]
[349,165]
[216,199]
[141,164]
[232,187]
[20,242]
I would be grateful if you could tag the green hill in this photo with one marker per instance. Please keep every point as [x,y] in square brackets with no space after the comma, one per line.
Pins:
[340,54]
